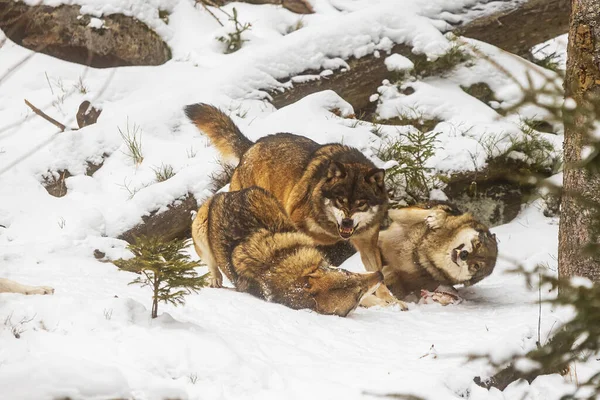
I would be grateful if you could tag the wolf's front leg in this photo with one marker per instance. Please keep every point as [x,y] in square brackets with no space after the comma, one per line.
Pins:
[407,216]
[366,244]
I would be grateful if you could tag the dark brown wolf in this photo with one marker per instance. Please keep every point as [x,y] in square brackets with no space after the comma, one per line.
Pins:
[248,235]
[331,192]
[435,244]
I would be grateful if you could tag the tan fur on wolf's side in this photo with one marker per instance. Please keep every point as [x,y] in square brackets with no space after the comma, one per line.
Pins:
[248,235]
[435,244]
[8,286]
[331,192]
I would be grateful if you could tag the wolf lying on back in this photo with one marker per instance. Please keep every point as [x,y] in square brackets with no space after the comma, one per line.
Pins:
[435,244]
[331,192]
[248,235]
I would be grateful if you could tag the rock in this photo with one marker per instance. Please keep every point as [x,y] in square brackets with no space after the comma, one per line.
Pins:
[62,32]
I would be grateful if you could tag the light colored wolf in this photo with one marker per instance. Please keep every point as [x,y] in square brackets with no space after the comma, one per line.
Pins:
[435,244]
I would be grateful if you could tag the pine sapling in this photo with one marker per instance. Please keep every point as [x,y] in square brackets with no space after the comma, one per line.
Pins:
[164,268]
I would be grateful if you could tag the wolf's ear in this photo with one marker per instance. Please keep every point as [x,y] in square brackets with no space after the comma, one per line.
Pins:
[376,176]
[336,170]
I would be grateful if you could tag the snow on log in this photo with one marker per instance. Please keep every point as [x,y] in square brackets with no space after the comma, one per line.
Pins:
[297,6]
[354,84]
[515,29]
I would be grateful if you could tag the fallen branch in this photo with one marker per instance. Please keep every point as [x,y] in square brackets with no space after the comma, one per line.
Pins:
[46,116]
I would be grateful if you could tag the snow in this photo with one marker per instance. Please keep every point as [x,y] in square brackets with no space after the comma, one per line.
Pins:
[93,339]
[556,47]
[96,23]
[397,62]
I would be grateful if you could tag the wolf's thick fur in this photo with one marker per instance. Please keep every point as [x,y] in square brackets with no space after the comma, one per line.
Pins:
[433,244]
[247,235]
[8,286]
[331,192]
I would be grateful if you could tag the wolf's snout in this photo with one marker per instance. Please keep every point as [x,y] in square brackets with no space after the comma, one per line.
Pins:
[346,228]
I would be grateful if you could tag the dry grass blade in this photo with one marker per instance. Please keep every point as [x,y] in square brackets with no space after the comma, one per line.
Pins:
[133,140]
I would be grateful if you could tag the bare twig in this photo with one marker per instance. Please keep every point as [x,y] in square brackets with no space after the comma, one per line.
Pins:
[210,12]
[46,116]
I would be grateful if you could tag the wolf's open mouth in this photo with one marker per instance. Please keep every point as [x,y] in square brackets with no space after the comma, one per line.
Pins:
[346,232]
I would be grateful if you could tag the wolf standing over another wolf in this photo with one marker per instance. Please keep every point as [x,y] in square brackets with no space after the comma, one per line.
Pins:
[249,236]
[331,192]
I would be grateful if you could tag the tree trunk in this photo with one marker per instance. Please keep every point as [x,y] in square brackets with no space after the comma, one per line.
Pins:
[155,296]
[578,253]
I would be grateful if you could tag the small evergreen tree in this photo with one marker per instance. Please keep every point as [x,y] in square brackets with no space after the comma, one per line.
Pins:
[164,268]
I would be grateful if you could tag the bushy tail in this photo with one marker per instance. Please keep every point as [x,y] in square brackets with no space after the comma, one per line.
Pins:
[221,130]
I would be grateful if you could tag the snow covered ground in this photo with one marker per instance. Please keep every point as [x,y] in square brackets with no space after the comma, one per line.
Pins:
[94,339]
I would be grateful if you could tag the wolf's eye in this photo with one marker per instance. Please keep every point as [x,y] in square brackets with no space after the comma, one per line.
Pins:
[361,204]
[463,255]
[341,200]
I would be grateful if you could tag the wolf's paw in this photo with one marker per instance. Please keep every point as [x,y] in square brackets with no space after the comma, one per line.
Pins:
[373,301]
[435,219]
[40,290]
[383,298]
[216,280]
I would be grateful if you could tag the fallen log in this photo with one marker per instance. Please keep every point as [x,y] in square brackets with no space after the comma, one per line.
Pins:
[354,84]
[175,222]
[297,6]
[518,29]
[63,32]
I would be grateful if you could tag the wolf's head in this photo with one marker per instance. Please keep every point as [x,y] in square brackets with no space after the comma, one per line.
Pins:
[473,253]
[338,292]
[354,195]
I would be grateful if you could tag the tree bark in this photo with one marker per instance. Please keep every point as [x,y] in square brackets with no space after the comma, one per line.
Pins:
[578,253]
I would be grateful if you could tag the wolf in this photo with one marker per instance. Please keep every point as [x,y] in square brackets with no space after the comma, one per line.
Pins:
[435,244]
[248,235]
[332,192]
[8,286]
